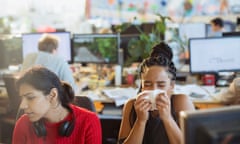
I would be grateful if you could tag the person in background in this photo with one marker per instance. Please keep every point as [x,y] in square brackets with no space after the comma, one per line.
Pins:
[224,7]
[230,95]
[49,117]
[47,57]
[188,8]
[237,24]
[217,27]
[141,124]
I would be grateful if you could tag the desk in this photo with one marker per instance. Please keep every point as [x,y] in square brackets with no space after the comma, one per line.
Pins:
[207,104]
[110,128]
[201,96]
[201,102]
[110,118]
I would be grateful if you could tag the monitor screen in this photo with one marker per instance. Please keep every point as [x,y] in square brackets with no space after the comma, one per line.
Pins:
[95,48]
[30,44]
[211,126]
[148,28]
[11,50]
[213,55]
[127,28]
[125,42]
[192,30]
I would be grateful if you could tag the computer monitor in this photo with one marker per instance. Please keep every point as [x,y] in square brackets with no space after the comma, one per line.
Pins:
[95,48]
[11,50]
[30,44]
[148,28]
[192,30]
[230,34]
[127,28]
[125,42]
[213,55]
[211,126]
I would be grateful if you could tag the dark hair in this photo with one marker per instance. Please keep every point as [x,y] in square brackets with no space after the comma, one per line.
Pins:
[48,43]
[161,55]
[44,80]
[217,21]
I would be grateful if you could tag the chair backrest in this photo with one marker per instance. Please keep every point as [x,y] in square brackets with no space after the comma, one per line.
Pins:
[84,102]
[229,26]
[14,99]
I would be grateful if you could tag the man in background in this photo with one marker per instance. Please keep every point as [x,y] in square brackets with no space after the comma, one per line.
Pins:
[217,27]
[47,57]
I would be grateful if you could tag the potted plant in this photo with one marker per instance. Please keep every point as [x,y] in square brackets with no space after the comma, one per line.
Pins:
[139,49]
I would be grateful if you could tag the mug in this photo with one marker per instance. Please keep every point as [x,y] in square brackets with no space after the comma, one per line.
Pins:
[151,95]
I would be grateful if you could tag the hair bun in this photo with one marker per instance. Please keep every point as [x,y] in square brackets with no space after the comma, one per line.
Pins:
[162,49]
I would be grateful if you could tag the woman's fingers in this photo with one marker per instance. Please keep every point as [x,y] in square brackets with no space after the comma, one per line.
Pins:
[142,103]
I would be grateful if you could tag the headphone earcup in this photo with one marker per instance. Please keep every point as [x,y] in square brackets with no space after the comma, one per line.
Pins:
[39,129]
[66,128]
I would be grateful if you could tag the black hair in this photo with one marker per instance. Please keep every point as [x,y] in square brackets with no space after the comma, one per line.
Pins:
[44,80]
[217,21]
[161,55]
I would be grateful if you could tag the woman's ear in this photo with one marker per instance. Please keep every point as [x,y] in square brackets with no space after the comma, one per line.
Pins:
[172,85]
[53,94]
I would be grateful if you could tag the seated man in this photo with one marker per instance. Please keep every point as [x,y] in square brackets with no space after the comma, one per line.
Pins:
[216,27]
[47,57]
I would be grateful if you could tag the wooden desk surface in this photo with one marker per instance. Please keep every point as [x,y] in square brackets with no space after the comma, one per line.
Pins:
[207,104]
[200,102]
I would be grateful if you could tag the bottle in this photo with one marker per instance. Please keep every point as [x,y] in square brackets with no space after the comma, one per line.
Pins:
[118,75]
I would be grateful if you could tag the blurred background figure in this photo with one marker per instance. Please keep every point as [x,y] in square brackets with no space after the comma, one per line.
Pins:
[47,57]
[217,27]
[224,7]
[188,8]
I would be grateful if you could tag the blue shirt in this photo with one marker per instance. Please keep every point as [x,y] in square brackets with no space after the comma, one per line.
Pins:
[53,62]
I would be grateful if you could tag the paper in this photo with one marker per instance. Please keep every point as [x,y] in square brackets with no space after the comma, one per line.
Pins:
[196,92]
[120,95]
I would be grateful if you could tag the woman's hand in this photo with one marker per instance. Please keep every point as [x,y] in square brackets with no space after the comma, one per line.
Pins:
[142,106]
[163,105]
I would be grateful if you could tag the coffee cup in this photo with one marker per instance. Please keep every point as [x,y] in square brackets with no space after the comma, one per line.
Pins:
[151,95]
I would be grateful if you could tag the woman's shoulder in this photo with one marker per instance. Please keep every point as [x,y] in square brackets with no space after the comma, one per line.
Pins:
[84,117]
[182,102]
[79,111]
[23,117]
[23,121]
[180,97]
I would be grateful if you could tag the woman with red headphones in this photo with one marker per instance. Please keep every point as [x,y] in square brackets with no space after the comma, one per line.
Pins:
[49,117]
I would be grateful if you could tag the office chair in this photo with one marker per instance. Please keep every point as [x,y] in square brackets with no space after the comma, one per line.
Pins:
[14,99]
[110,128]
[8,120]
[110,124]
[229,26]
[84,102]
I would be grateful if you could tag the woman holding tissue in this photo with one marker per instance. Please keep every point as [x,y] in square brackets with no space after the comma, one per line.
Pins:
[150,119]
